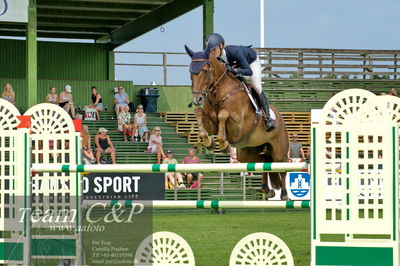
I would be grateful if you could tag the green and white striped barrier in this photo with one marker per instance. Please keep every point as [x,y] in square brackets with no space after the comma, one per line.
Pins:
[163,168]
[204,204]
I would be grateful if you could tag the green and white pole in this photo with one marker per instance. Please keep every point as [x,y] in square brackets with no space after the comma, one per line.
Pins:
[163,168]
[201,204]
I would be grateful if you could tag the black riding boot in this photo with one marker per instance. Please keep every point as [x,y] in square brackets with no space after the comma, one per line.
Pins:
[269,123]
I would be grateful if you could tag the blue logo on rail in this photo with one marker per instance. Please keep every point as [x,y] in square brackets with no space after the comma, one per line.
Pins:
[299,184]
[3,7]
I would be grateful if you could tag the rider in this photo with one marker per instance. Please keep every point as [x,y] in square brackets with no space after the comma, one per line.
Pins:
[248,64]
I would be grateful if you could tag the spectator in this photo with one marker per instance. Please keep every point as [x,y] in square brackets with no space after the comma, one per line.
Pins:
[97,102]
[52,96]
[171,176]
[296,152]
[155,144]
[140,121]
[124,123]
[197,178]
[65,100]
[120,99]
[104,145]
[8,93]
[233,156]
[88,156]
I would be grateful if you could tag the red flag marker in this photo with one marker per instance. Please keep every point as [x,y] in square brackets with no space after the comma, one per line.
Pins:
[77,124]
[25,121]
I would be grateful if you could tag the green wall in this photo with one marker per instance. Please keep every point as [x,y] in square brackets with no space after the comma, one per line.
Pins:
[174,98]
[291,95]
[80,90]
[171,98]
[56,60]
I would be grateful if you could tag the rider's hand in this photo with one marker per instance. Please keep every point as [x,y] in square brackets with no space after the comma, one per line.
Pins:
[230,68]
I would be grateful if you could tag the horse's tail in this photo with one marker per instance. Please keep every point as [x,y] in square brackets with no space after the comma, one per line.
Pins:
[275,179]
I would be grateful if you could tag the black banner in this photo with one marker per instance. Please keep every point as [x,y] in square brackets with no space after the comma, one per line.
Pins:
[124,186]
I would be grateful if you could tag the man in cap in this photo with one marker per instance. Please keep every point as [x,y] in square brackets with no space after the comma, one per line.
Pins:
[65,100]
[170,177]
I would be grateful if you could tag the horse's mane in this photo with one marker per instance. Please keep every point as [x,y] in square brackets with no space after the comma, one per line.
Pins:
[213,60]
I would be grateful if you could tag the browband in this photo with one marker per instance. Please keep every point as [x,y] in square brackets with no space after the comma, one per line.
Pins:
[200,60]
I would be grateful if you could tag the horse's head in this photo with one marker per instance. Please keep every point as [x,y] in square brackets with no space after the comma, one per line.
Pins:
[201,74]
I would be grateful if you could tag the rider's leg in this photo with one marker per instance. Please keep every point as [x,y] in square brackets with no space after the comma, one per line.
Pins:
[256,82]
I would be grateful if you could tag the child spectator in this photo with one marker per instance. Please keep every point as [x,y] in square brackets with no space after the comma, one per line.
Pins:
[296,152]
[124,123]
[88,156]
[104,145]
[65,100]
[120,99]
[155,144]
[8,93]
[140,121]
[197,178]
[97,102]
[52,96]
[171,176]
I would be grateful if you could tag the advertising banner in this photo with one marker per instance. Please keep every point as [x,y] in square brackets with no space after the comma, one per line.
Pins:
[124,186]
[14,10]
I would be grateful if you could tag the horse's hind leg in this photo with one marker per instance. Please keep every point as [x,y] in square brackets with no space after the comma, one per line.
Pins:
[223,115]
[253,154]
[206,128]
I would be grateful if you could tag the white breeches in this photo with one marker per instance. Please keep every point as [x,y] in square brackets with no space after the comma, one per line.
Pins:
[255,79]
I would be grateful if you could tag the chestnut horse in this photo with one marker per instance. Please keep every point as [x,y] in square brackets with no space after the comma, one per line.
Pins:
[228,113]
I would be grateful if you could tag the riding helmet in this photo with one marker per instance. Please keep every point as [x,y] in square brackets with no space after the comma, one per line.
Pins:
[213,40]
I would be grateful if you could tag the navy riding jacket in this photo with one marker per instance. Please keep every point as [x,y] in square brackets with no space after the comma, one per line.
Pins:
[241,57]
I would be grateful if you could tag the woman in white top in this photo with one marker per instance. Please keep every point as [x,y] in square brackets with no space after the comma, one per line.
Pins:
[8,93]
[52,96]
[65,100]
[140,121]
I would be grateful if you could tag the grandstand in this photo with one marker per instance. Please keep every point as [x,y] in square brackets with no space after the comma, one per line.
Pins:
[296,80]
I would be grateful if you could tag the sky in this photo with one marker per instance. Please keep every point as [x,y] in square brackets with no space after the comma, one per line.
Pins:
[335,24]
[341,24]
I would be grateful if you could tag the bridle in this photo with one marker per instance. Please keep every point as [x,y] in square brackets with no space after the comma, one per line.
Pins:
[210,86]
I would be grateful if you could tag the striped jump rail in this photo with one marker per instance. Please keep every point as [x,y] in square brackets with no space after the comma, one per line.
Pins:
[203,204]
[164,168]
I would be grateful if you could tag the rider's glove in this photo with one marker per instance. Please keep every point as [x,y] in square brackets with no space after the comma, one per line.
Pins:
[229,68]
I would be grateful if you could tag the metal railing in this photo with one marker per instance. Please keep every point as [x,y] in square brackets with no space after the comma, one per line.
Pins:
[291,63]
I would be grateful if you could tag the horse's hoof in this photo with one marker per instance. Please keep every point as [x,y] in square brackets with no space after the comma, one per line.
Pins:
[212,146]
[227,149]
[268,193]
[284,195]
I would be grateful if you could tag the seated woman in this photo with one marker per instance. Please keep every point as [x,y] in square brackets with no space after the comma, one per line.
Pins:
[104,145]
[8,93]
[170,177]
[155,144]
[88,156]
[97,102]
[52,96]
[65,100]
[140,121]
[124,123]
[121,99]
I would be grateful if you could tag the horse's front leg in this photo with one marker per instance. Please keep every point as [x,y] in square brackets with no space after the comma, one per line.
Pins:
[223,116]
[206,127]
